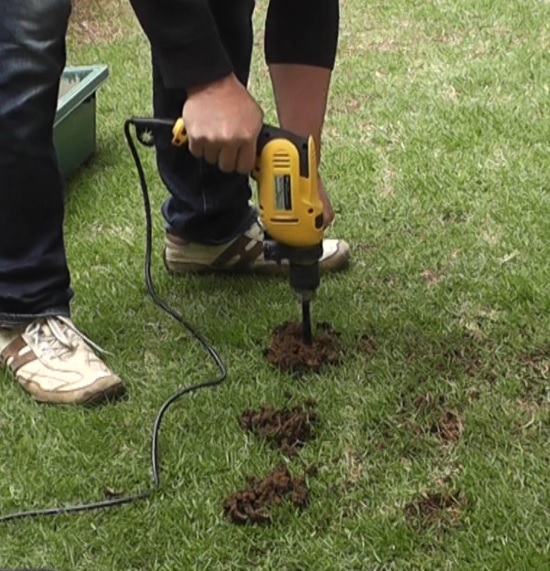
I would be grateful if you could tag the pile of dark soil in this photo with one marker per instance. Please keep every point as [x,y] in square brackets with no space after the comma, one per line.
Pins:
[250,505]
[287,429]
[290,354]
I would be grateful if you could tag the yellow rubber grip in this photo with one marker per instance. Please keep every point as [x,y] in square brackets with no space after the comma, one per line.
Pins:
[179,133]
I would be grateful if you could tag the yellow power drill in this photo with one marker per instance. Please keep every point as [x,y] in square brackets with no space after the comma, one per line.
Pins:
[291,211]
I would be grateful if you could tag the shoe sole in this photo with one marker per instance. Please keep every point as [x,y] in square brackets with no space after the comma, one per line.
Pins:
[179,268]
[111,392]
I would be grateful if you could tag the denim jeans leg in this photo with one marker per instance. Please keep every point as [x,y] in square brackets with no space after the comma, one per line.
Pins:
[34,278]
[206,205]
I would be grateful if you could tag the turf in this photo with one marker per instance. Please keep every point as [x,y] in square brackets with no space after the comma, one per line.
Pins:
[432,448]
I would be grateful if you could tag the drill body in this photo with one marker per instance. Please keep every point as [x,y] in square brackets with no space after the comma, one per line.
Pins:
[291,211]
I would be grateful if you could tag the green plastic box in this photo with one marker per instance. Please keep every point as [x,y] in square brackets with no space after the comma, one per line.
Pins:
[75,119]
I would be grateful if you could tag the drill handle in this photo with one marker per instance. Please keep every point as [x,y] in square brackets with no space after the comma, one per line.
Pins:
[267,134]
[147,128]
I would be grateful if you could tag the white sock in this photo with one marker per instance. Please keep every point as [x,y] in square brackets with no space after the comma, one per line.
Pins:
[7,336]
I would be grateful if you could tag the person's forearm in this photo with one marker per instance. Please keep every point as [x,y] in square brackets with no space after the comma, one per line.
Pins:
[184,35]
[301,94]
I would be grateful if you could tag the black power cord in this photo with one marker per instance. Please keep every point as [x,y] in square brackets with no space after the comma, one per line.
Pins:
[155,465]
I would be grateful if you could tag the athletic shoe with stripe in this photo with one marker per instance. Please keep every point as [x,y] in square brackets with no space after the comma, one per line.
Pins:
[56,363]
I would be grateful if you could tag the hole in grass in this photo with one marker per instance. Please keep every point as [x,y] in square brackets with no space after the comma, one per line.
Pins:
[436,509]
[536,374]
[448,427]
[429,414]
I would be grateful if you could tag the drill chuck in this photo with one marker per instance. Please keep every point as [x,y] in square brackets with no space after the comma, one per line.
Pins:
[303,262]
[304,279]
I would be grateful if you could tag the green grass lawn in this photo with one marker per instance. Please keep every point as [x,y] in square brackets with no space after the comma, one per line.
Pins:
[432,450]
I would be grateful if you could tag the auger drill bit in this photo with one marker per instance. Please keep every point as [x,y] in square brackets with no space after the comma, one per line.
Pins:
[306,323]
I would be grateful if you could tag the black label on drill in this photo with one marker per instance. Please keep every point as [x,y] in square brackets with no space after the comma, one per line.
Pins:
[283,192]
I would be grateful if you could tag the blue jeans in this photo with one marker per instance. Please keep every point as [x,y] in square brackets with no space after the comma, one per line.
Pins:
[34,279]
[206,205]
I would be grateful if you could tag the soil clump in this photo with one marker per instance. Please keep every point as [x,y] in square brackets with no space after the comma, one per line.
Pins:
[287,428]
[250,506]
[290,354]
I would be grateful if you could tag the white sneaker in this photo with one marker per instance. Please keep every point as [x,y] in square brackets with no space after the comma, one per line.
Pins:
[243,254]
[55,363]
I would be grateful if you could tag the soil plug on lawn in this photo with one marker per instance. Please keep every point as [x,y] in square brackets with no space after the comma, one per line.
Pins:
[250,505]
[289,353]
[287,429]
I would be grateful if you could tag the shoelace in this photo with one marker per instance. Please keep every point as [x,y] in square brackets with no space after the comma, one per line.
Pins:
[58,341]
